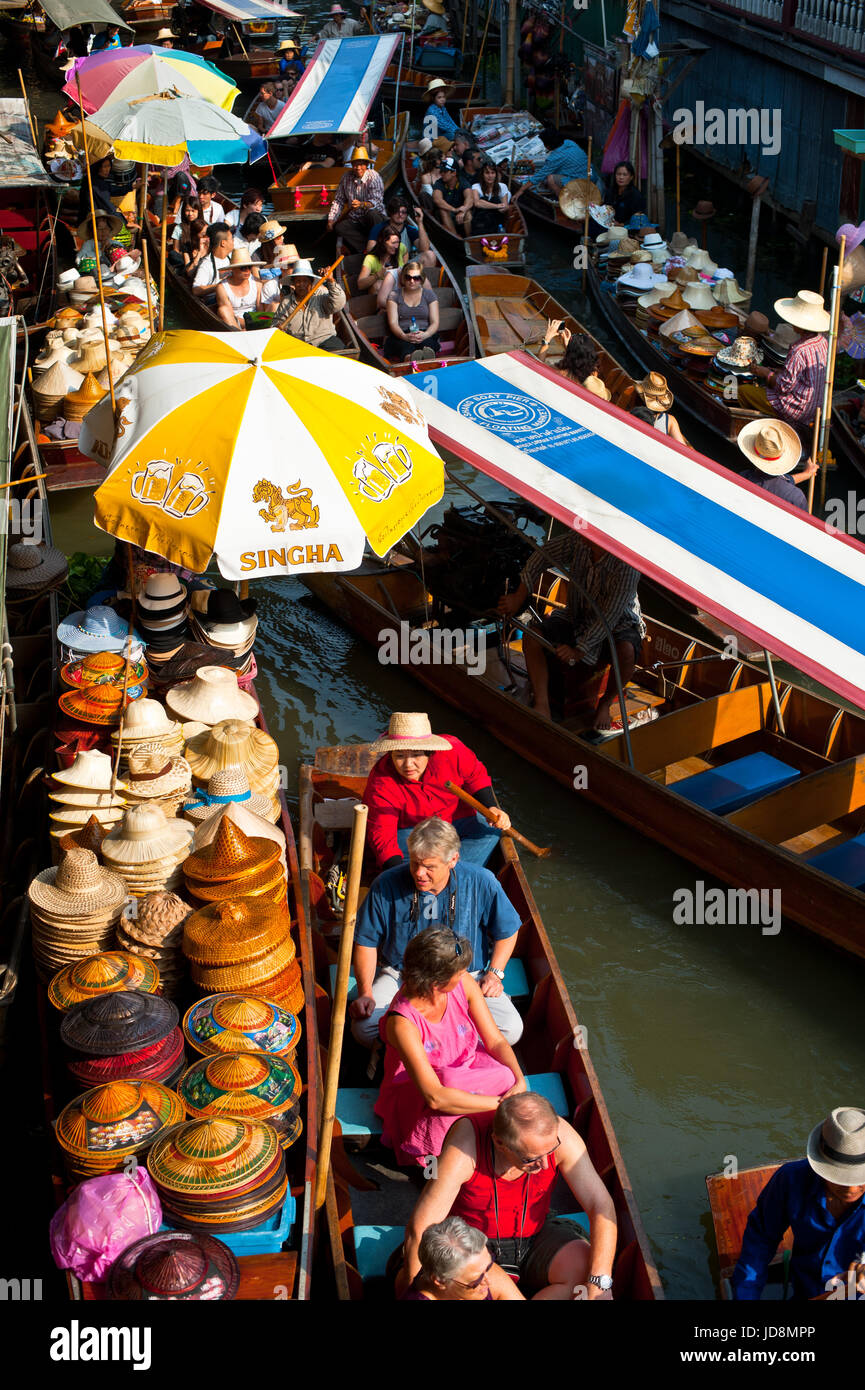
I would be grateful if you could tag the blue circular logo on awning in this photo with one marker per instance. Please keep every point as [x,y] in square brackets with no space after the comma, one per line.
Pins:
[504,413]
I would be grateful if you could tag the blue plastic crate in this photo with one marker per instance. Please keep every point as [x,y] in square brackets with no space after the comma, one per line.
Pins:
[266,1239]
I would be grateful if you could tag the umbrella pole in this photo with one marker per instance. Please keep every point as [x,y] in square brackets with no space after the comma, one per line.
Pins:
[830,369]
[821,286]
[96,244]
[147,282]
[812,456]
[162,250]
[586,222]
[678,192]
[142,201]
[27,108]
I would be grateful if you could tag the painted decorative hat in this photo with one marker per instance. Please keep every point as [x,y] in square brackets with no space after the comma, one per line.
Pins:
[174,1266]
[120,1022]
[99,1129]
[744,352]
[240,1022]
[98,704]
[247,1086]
[213,1155]
[102,668]
[109,972]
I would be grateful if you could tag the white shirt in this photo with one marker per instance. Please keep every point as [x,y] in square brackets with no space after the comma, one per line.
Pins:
[267,114]
[270,291]
[208,272]
[503,194]
[241,244]
[212,214]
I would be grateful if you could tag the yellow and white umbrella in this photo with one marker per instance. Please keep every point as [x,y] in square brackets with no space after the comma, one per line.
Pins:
[273,456]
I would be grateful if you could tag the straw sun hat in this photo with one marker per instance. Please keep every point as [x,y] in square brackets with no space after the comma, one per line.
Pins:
[211,696]
[836,1148]
[32,568]
[409,733]
[230,785]
[78,887]
[152,774]
[655,392]
[234,741]
[145,837]
[770,445]
[805,311]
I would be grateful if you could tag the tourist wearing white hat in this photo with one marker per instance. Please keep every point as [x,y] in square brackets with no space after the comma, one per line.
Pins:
[239,294]
[794,392]
[313,323]
[773,449]
[339,26]
[819,1198]
[165,38]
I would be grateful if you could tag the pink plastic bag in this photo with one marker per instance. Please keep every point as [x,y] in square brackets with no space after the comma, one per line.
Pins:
[100,1219]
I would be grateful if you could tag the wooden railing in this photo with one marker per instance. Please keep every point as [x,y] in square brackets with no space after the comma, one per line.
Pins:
[834,24]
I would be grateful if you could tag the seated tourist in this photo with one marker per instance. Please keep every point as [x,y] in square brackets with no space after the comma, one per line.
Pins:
[387,255]
[247,235]
[252,200]
[821,1198]
[195,243]
[577,633]
[267,109]
[313,323]
[491,200]
[212,211]
[444,1057]
[453,200]
[657,397]
[773,449]
[412,317]
[435,886]
[413,235]
[430,170]
[407,785]
[239,293]
[455,1266]
[497,1170]
[208,273]
[580,360]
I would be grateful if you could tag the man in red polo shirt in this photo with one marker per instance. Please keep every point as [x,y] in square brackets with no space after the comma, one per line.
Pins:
[407,785]
[497,1171]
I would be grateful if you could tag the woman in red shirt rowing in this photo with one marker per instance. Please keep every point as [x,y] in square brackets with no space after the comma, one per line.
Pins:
[407,785]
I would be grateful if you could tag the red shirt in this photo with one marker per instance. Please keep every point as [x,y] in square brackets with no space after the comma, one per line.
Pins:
[395,804]
[476,1203]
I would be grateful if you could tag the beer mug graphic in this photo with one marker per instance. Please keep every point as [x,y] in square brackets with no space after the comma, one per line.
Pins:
[187,497]
[395,459]
[153,484]
[372,480]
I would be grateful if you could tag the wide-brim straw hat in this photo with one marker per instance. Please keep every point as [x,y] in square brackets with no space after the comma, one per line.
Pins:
[655,296]
[699,296]
[437,84]
[235,741]
[771,445]
[783,337]
[730,292]
[56,352]
[78,887]
[33,567]
[235,637]
[230,857]
[239,260]
[211,696]
[409,733]
[806,310]
[145,836]
[576,196]
[70,817]
[655,392]
[268,884]
[152,774]
[640,277]
[614,234]
[270,230]
[700,260]
[95,800]
[96,629]
[98,704]
[145,721]
[229,786]
[116,223]
[836,1147]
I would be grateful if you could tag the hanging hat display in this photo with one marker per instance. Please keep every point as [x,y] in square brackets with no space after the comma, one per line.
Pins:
[210,697]
[246,1086]
[241,1023]
[224,1174]
[106,972]
[234,741]
[231,785]
[155,932]
[174,1266]
[102,1128]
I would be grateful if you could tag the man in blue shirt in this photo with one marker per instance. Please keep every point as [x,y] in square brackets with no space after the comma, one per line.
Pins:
[564,162]
[821,1199]
[434,887]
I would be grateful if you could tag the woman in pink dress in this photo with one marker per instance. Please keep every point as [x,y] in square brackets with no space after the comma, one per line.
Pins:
[445,1057]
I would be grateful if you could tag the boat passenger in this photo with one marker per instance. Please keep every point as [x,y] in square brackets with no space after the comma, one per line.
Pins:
[218,258]
[430,167]
[622,194]
[774,449]
[794,391]
[407,786]
[165,38]
[100,175]
[104,243]
[252,200]
[183,237]
[444,1055]
[577,633]
[580,361]
[436,21]
[564,162]
[269,106]
[339,26]
[358,202]
[437,121]
[211,210]
[274,259]
[239,293]
[435,886]
[322,151]
[314,323]
[247,234]
[412,317]
[821,1198]
[290,64]
[196,247]
[497,1170]
[455,1266]
[657,398]
[382,264]
[491,200]
[453,202]
[107,38]
[413,235]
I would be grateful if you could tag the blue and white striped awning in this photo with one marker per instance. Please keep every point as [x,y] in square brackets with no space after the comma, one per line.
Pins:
[766,568]
[242,11]
[338,88]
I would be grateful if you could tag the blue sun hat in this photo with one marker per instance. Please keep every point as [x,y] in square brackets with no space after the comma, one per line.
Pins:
[96,629]
[638,221]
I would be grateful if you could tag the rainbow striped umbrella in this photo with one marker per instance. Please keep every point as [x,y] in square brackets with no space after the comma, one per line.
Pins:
[128,74]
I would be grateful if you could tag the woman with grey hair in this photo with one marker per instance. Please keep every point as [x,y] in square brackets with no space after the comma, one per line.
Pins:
[455,1267]
[445,1057]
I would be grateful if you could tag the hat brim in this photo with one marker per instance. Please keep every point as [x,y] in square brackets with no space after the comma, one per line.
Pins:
[844,1174]
[812,321]
[773,468]
[656,404]
[424,743]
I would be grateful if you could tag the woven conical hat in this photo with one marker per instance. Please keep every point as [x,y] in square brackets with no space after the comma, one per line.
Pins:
[246,820]
[231,856]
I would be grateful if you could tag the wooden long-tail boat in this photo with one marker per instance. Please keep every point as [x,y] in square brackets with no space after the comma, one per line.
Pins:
[304,197]
[369,323]
[731,1199]
[413,83]
[799,823]
[512,240]
[364,1226]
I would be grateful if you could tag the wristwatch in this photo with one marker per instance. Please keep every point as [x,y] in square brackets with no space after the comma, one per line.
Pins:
[491,970]
[603,1281]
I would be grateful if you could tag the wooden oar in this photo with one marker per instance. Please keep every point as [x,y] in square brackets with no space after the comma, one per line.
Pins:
[484,811]
[340,999]
[320,281]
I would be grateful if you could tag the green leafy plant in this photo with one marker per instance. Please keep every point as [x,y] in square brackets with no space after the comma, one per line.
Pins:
[84,574]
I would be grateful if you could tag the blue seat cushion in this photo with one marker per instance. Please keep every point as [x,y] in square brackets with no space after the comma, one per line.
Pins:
[373,1247]
[845,862]
[549,1084]
[728,788]
[516,982]
[579,1218]
[356,1114]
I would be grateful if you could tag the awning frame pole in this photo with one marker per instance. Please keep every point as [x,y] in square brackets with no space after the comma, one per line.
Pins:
[770,671]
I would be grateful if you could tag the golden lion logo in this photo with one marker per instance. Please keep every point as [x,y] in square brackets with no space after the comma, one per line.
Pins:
[293,512]
[398,408]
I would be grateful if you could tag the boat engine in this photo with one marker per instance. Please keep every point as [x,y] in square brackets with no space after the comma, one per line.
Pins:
[476,558]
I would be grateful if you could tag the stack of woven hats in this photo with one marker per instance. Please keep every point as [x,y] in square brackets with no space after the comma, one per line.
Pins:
[102,1129]
[221,1174]
[146,722]
[83,791]
[154,778]
[101,705]
[73,910]
[161,618]
[247,1086]
[123,1036]
[239,944]
[155,932]
[212,696]
[241,1023]
[233,742]
[230,787]
[174,1267]
[235,865]
[222,620]
[105,668]
[147,850]
[108,972]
